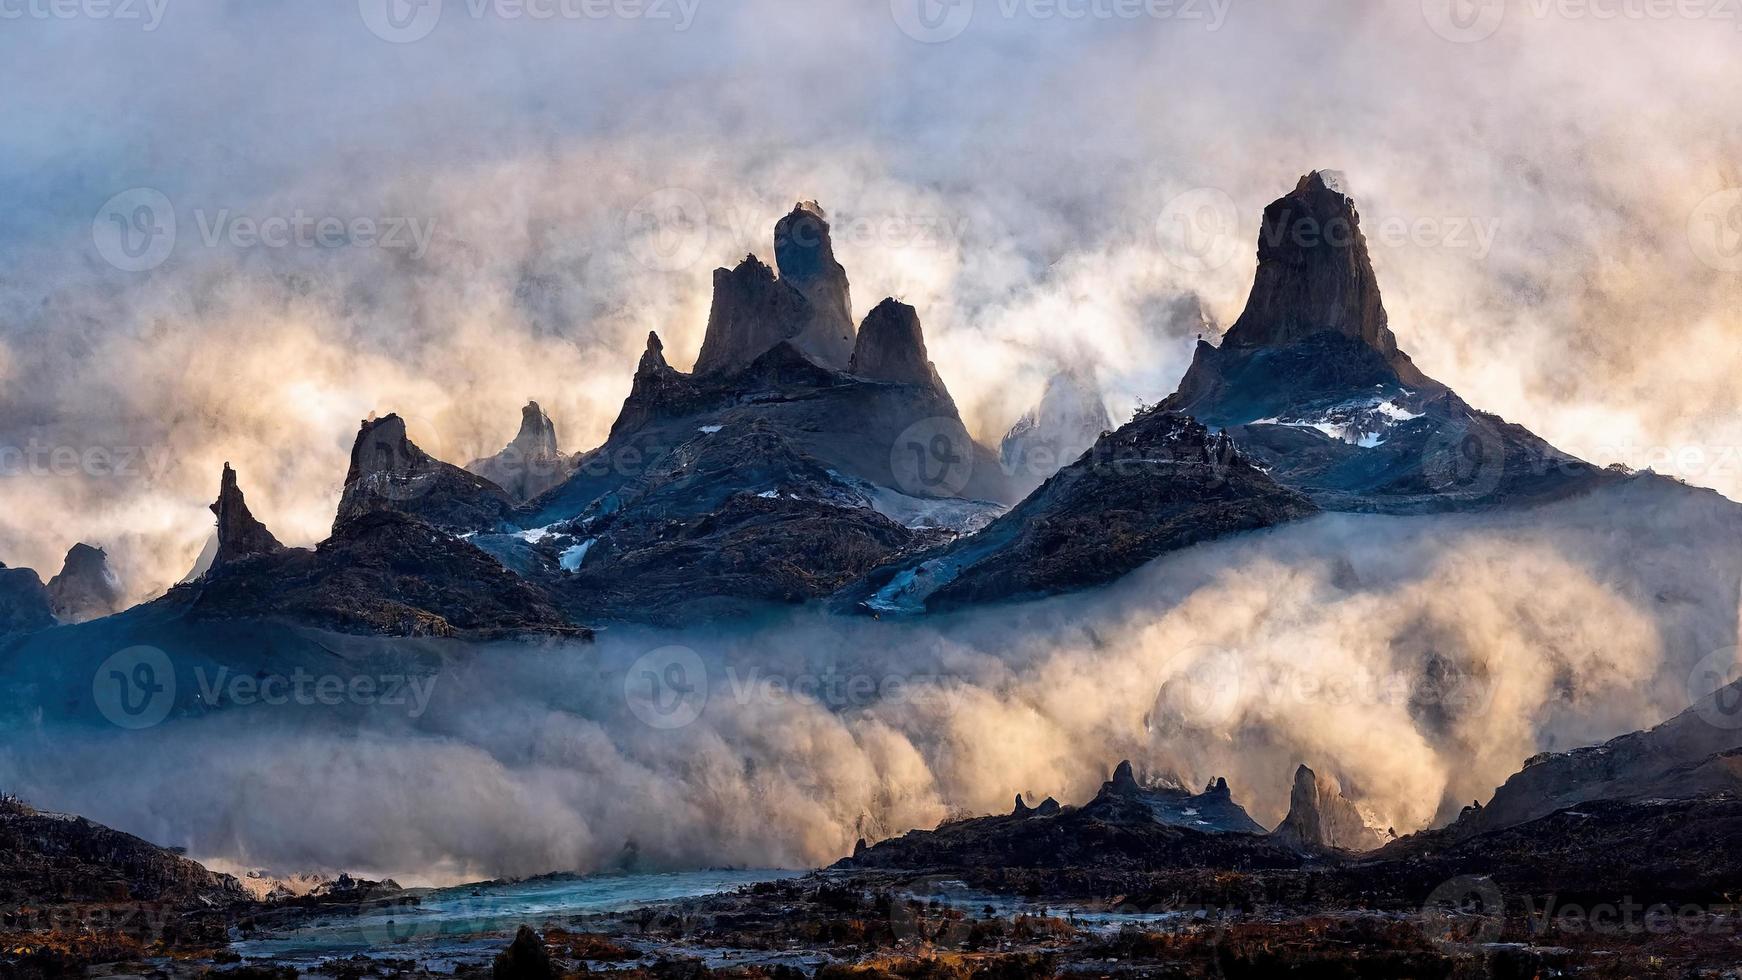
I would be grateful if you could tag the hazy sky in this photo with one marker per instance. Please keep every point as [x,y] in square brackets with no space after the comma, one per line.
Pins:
[1552,191]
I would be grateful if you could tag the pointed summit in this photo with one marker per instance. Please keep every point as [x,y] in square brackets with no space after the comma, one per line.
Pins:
[537,435]
[532,463]
[1070,417]
[389,472]
[806,258]
[891,347]
[653,358]
[239,534]
[86,587]
[1321,818]
[1314,275]
[752,311]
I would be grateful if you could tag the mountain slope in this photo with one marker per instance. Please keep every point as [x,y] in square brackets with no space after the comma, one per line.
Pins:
[1159,483]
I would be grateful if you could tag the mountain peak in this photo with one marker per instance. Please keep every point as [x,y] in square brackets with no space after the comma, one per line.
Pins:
[806,257]
[1314,275]
[891,347]
[537,435]
[751,312]
[86,587]
[388,472]
[1320,817]
[653,358]
[239,534]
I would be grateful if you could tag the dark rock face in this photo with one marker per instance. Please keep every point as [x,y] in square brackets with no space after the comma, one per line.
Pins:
[1050,436]
[1125,828]
[1696,753]
[381,573]
[390,473]
[752,311]
[86,587]
[806,258]
[1123,799]
[762,361]
[733,518]
[532,463]
[848,424]
[1311,383]
[239,534]
[891,347]
[48,859]
[24,602]
[1159,483]
[1320,818]
[1314,276]
[524,959]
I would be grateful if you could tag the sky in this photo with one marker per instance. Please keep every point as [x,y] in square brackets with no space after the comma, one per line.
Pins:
[445,208]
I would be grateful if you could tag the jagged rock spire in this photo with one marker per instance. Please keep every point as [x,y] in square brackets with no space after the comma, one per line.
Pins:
[239,534]
[806,257]
[752,311]
[1320,817]
[1124,778]
[382,449]
[891,347]
[653,358]
[809,305]
[388,472]
[1314,275]
[86,587]
[537,435]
